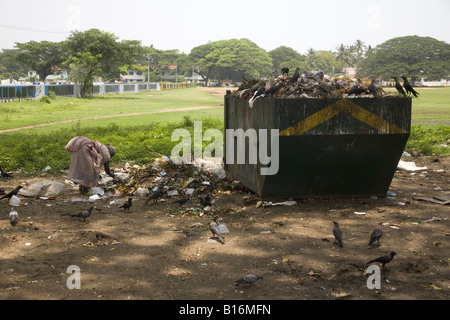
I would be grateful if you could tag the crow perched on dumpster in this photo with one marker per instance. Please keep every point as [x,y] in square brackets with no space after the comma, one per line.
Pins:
[295,76]
[384,259]
[12,193]
[338,234]
[285,71]
[399,87]
[372,89]
[408,87]
[375,236]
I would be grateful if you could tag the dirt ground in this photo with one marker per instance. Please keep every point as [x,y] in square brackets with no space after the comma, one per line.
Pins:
[163,252]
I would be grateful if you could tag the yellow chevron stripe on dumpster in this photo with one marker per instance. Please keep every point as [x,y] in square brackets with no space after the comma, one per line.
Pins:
[342,106]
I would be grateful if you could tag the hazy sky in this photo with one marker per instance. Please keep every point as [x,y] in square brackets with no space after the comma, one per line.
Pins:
[185,24]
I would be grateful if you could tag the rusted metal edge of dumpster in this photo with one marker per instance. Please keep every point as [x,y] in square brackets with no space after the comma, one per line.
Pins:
[327,148]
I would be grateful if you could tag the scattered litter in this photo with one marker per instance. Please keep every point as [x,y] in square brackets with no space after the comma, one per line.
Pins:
[47,168]
[442,200]
[94,197]
[172,193]
[437,244]
[391,194]
[401,204]
[14,201]
[361,213]
[284,203]
[97,190]
[142,192]
[266,232]
[28,244]
[409,166]
[43,189]
[434,219]
[395,227]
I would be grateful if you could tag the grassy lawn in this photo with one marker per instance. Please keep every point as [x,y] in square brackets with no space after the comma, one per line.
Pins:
[25,113]
[32,150]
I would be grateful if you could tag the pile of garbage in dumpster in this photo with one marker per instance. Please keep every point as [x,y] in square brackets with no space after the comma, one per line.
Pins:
[309,84]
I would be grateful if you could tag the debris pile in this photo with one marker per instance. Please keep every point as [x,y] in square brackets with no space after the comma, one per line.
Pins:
[202,180]
[309,84]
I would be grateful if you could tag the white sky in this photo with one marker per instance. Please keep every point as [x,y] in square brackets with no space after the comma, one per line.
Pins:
[185,24]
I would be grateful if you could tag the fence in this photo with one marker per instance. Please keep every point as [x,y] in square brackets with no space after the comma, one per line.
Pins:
[23,92]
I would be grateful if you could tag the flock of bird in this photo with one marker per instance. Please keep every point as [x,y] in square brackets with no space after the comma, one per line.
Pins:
[315,84]
[216,227]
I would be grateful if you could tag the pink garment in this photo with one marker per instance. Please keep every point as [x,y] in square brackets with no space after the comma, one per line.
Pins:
[87,157]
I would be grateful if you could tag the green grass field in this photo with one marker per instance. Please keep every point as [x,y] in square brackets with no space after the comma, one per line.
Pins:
[33,149]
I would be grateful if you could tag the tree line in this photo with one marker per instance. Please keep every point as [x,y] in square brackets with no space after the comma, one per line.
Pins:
[95,53]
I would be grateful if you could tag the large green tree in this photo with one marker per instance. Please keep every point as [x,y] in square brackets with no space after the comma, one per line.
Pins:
[410,56]
[233,59]
[9,68]
[83,70]
[41,57]
[114,53]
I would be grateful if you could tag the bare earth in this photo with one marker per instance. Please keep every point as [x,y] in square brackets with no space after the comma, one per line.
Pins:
[160,251]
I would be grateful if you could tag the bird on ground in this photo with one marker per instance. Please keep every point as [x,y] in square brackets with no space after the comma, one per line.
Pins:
[83,214]
[155,195]
[205,199]
[12,193]
[399,87]
[337,232]
[248,279]
[215,230]
[373,89]
[127,205]
[5,175]
[13,217]
[408,87]
[375,236]
[182,201]
[384,259]
[285,71]
[295,76]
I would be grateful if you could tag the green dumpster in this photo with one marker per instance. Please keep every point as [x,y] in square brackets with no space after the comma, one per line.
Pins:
[331,148]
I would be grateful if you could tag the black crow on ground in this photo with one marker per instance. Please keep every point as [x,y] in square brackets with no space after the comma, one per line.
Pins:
[337,232]
[375,236]
[384,259]
[12,193]
[127,205]
[155,195]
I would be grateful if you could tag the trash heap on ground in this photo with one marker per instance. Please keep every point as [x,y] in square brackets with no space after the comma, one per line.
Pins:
[309,84]
[200,182]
